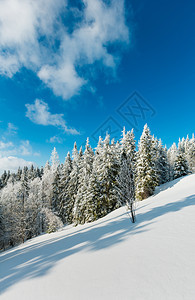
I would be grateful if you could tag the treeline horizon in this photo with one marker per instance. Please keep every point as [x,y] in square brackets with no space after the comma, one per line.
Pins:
[89,184]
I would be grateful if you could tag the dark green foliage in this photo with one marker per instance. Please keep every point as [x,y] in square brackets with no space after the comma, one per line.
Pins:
[181,166]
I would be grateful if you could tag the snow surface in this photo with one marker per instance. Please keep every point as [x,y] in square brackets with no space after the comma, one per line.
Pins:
[112,258]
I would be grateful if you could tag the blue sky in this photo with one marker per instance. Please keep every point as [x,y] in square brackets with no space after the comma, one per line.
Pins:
[91,67]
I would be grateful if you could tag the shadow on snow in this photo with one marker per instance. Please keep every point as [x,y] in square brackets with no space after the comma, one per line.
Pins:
[36,260]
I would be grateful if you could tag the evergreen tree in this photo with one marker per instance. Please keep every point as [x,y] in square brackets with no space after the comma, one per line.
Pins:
[171,155]
[181,166]
[181,146]
[108,168]
[145,167]
[65,199]
[127,170]
[94,201]
[54,160]
[81,201]
[50,180]
[11,218]
[2,227]
[74,179]
[56,190]
[162,164]
[156,159]
[190,154]
[22,205]
[46,186]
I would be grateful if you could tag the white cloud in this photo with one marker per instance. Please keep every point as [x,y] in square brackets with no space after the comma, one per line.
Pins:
[35,34]
[12,129]
[63,80]
[39,113]
[23,148]
[9,151]
[13,163]
[55,139]
[4,145]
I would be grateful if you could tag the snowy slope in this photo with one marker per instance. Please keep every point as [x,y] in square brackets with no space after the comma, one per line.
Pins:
[112,258]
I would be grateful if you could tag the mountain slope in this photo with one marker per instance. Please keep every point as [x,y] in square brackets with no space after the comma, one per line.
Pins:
[112,258]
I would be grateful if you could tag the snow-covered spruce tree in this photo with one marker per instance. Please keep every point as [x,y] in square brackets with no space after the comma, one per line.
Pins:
[18,174]
[5,214]
[55,170]
[65,199]
[127,170]
[155,157]
[2,226]
[181,146]
[172,155]
[23,194]
[126,185]
[107,170]
[34,208]
[162,164]
[56,190]
[190,154]
[50,192]
[48,180]
[81,200]
[73,185]
[94,201]
[4,178]
[186,145]
[181,166]
[12,213]
[146,166]
[54,160]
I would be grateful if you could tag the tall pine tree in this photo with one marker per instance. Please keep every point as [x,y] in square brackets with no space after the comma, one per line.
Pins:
[146,166]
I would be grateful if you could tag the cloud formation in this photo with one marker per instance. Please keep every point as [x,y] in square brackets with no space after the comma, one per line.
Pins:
[23,148]
[55,139]
[12,163]
[12,129]
[4,145]
[39,113]
[9,152]
[57,41]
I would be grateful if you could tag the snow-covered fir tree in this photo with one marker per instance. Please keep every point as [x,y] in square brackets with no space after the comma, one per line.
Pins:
[181,166]
[10,215]
[73,185]
[54,160]
[146,180]
[35,206]
[22,197]
[181,146]
[108,168]
[46,186]
[172,155]
[127,169]
[65,199]
[55,195]
[81,200]
[162,164]
[190,154]
[94,201]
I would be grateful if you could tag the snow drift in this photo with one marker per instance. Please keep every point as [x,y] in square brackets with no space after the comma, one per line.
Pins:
[112,258]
